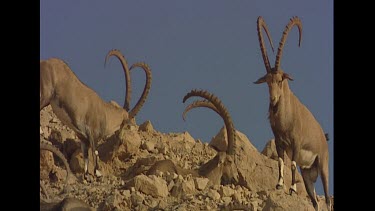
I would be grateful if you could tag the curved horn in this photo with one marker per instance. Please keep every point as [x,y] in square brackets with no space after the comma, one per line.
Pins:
[293,21]
[223,112]
[199,103]
[45,146]
[146,89]
[262,24]
[117,53]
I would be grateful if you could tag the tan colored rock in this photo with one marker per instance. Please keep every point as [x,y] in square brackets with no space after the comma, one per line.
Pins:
[122,144]
[270,150]
[112,202]
[201,183]
[226,191]
[149,145]
[280,201]
[151,185]
[188,187]
[146,127]
[237,197]
[213,194]
[137,198]
[226,200]
[220,141]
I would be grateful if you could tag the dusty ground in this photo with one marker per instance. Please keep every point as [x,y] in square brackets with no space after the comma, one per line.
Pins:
[126,157]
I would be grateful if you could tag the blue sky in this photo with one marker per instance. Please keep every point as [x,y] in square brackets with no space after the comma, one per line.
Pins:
[210,45]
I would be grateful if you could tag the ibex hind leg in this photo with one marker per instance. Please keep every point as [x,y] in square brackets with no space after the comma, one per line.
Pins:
[309,177]
[324,175]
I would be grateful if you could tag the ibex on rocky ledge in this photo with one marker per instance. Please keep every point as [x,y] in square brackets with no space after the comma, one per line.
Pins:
[295,129]
[222,168]
[81,108]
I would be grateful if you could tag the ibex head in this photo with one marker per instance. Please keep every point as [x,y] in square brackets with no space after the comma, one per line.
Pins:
[275,77]
[222,168]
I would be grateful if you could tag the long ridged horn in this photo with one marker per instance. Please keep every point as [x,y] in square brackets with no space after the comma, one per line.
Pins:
[262,24]
[117,53]
[293,21]
[146,89]
[45,146]
[223,112]
[199,103]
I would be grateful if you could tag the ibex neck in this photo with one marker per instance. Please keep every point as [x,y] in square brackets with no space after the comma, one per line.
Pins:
[114,117]
[281,114]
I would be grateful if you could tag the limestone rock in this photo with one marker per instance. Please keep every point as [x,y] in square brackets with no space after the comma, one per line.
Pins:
[122,144]
[280,201]
[201,183]
[270,150]
[151,185]
[146,127]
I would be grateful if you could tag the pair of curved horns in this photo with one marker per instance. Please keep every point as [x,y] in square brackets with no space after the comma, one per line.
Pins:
[216,105]
[294,21]
[53,149]
[126,69]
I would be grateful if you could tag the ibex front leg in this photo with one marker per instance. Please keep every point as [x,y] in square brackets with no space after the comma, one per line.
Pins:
[293,187]
[85,154]
[280,154]
[95,156]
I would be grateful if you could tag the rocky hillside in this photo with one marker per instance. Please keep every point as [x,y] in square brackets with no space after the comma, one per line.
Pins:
[131,181]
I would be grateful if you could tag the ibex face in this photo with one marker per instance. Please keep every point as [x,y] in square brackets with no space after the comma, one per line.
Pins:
[276,83]
[222,168]
[230,173]
[275,77]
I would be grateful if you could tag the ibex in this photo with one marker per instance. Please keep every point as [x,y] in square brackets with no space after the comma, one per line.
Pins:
[51,148]
[81,108]
[222,168]
[295,129]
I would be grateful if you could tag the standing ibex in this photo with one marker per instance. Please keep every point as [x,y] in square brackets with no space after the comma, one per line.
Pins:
[295,129]
[80,108]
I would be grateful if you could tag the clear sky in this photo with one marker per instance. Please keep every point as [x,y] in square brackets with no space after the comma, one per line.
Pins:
[210,45]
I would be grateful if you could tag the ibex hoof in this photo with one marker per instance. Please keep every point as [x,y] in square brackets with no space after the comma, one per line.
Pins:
[98,174]
[88,177]
[291,191]
[278,186]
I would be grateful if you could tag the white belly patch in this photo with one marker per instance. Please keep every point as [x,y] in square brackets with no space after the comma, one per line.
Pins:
[306,158]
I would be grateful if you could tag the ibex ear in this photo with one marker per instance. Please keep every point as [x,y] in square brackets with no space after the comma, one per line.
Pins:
[287,76]
[261,80]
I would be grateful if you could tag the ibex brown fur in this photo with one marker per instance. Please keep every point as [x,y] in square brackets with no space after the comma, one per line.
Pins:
[295,129]
[222,168]
[81,108]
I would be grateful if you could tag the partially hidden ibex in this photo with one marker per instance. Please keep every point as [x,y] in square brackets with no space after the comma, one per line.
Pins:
[51,148]
[295,129]
[81,108]
[222,168]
